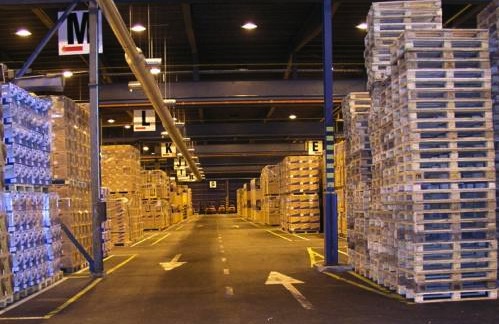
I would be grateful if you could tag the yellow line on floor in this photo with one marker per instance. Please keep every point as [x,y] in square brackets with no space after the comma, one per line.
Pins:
[147,238]
[161,239]
[86,268]
[22,301]
[312,254]
[367,281]
[300,237]
[180,227]
[22,318]
[73,299]
[121,264]
[279,235]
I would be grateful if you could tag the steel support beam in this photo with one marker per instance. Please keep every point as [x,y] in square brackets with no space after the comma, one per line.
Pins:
[330,199]
[234,90]
[191,36]
[97,210]
[309,31]
[39,48]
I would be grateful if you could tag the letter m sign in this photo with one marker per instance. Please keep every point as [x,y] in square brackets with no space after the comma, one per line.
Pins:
[73,33]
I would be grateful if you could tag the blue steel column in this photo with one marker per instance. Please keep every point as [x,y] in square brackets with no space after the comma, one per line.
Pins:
[97,268]
[330,199]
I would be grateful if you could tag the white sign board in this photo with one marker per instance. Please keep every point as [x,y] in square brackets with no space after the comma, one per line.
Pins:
[168,150]
[73,33]
[314,147]
[213,184]
[144,120]
[179,163]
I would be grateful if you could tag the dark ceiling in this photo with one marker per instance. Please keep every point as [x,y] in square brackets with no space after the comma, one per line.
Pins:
[203,44]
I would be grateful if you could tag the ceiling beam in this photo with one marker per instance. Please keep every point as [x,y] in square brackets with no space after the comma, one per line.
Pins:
[309,30]
[464,15]
[191,37]
[201,114]
[55,2]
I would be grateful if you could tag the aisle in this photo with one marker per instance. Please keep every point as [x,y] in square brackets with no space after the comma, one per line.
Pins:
[214,269]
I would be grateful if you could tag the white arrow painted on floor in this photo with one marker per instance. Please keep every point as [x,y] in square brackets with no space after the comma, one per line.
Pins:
[277,278]
[174,263]
[199,225]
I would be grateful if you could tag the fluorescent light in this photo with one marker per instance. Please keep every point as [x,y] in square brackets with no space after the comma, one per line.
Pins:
[128,126]
[155,70]
[138,28]
[187,139]
[191,149]
[23,32]
[67,74]
[164,133]
[145,148]
[249,26]
[292,116]
[111,121]
[153,153]
[362,26]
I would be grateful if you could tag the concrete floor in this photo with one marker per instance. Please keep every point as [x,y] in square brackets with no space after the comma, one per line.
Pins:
[227,263]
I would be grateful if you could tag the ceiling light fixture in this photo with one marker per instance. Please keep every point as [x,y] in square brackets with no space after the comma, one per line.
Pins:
[292,116]
[155,70]
[111,121]
[249,26]
[67,74]
[128,126]
[191,149]
[164,133]
[23,32]
[138,28]
[362,26]
[145,148]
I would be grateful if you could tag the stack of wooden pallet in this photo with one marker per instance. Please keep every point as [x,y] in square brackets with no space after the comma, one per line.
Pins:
[489,19]
[107,240]
[386,20]
[358,160]
[442,193]
[155,192]
[71,175]
[127,223]
[339,185]
[269,181]
[239,201]
[299,187]
[256,214]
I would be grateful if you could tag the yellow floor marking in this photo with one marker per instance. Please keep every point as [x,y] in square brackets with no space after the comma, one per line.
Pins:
[367,281]
[73,299]
[226,271]
[22,301]
[312,255]
[361,286]
[86,268]
[180,227]
[301,237]
[255,225]
[229,291]
[279,235]
[161,239]
[224,259]
[121,264]
[147,238]
[22,318]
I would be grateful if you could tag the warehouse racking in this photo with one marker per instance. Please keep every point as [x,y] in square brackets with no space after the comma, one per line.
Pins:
[269,181]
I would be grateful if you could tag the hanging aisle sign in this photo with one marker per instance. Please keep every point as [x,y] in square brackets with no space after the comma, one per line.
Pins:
[168,150]
[179,163]
[144,120]
[73,33]
[314,147]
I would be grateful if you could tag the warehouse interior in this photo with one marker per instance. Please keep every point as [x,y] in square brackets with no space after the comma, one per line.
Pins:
[243,86]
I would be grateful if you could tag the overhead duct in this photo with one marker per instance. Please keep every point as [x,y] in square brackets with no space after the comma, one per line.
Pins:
[138,65]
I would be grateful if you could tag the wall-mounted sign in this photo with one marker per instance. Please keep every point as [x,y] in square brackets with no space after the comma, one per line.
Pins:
[144,120]
[314,147]
[213,184]
[168,150]
[73,33]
